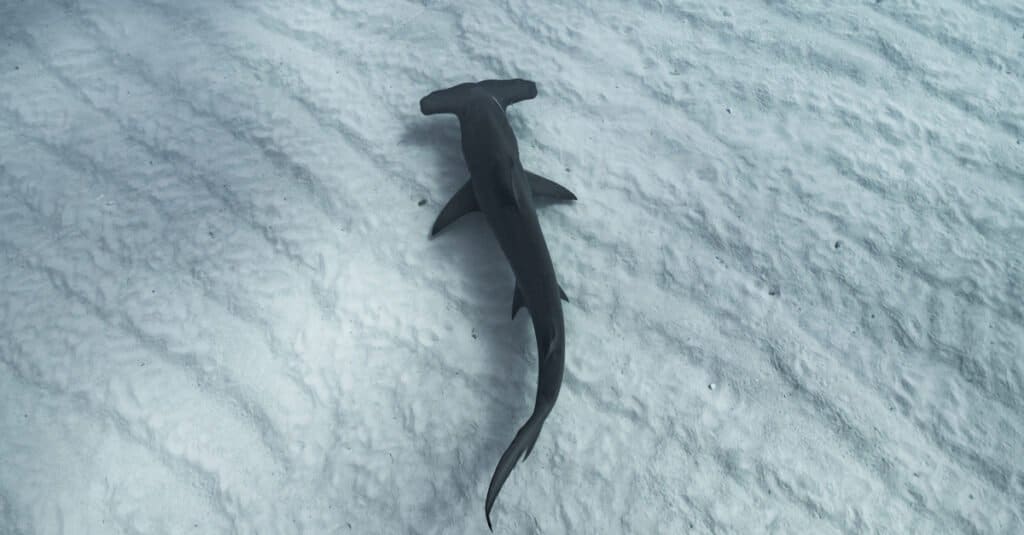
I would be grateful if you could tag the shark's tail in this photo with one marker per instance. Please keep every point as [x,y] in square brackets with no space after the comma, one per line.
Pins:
[451,100]
[520,448]
[550,380]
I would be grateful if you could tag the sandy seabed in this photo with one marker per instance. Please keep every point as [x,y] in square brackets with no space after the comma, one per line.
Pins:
[796,268]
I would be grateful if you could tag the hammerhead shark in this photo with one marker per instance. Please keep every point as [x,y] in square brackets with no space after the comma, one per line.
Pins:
[504,191]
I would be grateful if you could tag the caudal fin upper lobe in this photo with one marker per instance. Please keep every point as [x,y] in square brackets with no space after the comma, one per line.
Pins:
[519,448]
[551,367]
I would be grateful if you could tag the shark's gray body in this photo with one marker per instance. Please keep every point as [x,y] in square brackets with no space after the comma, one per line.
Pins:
[501,189]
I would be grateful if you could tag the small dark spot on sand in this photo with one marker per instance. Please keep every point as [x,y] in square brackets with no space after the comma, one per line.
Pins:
[728,110]
[773,291]
[474,335]
[838,243]
[210,233]
[567,169]
[422,202]
[17,68]
[971,496]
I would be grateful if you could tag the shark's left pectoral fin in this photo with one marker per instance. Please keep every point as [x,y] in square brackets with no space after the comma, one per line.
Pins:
[562,293]
[461,204]
[543,187]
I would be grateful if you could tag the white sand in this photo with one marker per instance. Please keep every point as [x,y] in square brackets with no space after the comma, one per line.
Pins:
[796,268]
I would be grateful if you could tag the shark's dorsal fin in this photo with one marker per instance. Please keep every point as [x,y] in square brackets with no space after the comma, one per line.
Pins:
[462,203]
[502,174]
[543,187]
[514,201]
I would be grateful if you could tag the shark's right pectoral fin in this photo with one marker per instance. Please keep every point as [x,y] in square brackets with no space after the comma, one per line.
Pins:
[461,204]
[543,187]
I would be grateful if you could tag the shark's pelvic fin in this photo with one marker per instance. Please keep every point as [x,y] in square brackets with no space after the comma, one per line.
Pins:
[461,204]
[517,299]
[543,187]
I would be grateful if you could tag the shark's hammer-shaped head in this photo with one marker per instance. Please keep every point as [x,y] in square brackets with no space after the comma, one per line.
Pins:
[459,98]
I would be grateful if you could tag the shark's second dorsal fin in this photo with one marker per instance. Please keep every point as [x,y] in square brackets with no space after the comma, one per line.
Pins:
[461,204]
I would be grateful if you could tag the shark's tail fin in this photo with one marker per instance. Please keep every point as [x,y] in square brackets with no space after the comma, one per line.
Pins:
[520,448]
[451,100]
[522,445]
